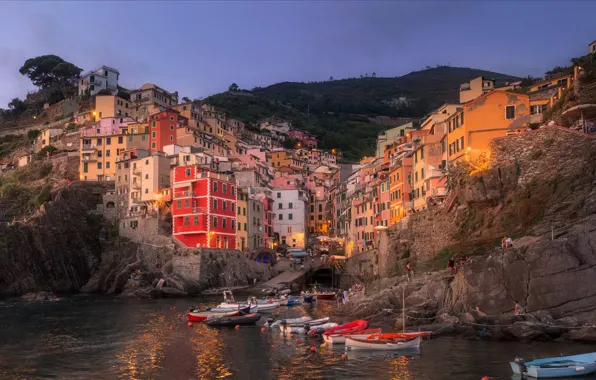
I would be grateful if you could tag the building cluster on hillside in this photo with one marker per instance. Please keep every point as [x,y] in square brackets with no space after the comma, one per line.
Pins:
[190,171]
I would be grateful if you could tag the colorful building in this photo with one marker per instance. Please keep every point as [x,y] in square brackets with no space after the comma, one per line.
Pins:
[163,128]
[242,220]
[203,208]
[114,106]
[289,223]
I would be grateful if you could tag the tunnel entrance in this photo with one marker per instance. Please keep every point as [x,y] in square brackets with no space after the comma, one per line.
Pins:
[323,277]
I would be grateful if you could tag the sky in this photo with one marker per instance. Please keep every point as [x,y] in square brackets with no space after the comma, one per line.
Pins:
[199,48]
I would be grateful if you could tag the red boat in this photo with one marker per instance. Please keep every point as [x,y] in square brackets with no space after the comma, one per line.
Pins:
[402,335]
[325,296]
[353,326]
[202,316]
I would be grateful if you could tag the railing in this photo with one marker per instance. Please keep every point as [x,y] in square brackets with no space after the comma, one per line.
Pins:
[136,171]
[434,173]
[199,210]
[438,192]
[88,147]
[184,194]
[88,158]
[136,185]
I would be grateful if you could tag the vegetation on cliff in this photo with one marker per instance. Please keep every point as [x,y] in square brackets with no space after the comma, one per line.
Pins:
[340,112]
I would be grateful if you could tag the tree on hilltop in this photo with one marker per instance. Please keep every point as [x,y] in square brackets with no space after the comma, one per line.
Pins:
[50,71]
[233,87]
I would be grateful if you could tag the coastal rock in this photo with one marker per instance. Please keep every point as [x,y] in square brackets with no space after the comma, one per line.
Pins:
[466,318]
[528,331]
[448,319]
[544,317]
[147,293]
[172,292]
[40,296]
[439,329]
[585,334]
[479,317]
[567,322]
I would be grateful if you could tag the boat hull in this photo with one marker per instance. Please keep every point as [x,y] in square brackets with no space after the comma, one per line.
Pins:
[354,326]
[203,316]
[267,308]
[325,296]
[557,367]
[301,329]
[407,335]
[248,319]
[380,345]
[288,321]
[552,373]
[341,338]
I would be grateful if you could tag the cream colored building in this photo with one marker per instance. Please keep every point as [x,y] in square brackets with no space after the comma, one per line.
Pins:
[389,136]
[114,106]
[150,97]
[475,88]
[45,137]
[149,176]
[101,144]
[242,220]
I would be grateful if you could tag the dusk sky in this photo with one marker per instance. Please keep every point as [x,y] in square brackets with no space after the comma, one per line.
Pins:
[200,48]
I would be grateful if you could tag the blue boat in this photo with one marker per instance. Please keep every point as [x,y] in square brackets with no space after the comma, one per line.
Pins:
[550,368]
[308,299]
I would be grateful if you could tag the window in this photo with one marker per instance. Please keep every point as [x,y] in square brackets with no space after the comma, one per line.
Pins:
[85,167]
[107,165]
[422,173]
[171,127]
[289,230]
[179,204]
[153,145]
[290,205]
[108,141]
[290,216]
[243,211]
[187,172]
[215,204]
[245,227]
[320,207]
[278,195]
[120,140]
[153,124]
[422,152]
[214,186]
[233,224]
[108,152]
[233,190]
[186,203]
[171,138]
[320,217]
[280,206]
[224,188]
[225,205]
[186,221]
[99,165]
[215,221]
[281,217]
[224,222]
[510,112]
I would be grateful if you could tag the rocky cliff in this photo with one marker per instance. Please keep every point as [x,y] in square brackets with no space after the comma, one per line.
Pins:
[539,189]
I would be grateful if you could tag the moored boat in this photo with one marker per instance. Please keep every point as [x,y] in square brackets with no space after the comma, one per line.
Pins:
[556,367]
[204,315]
[306,328]
[401,335]
[353,326]
[325,296]
[247,319]
[353,344]
[341,338]
[287,321]
[309,298]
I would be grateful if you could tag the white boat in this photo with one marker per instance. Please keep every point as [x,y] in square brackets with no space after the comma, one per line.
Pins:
[311,322]
[267,308]
[341,338]
[303,329]
[353,344]
[288,321]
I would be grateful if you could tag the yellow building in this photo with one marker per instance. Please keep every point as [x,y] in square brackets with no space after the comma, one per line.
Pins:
[495,114]
[101,144]
[114,106]
[475,89]
[242,220]
[148,177]
[564,80]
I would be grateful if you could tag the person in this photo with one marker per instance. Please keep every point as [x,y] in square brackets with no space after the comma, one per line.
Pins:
[504,242]
[451,265]
[509,242]
[340,296]
[346,297]
[409,269]
[515,308]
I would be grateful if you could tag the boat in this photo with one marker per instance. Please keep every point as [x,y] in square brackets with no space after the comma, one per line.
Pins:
[202,315]
[326,296]
[306,328]
[556,367]
[353,326]
[267,308]
[309,298]
[247,319]
[273,323]
[341,338]
[353,344]
[401,335]
[291,301]
[311,322]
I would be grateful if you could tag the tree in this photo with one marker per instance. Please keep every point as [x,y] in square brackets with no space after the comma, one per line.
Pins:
[47,71]
[233,87]
[374,75]
[330,78]
[186,99]
[17,106]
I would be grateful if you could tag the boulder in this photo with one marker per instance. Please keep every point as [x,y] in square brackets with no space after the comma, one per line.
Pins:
[528,331]
[172,292]
[40,296]
[147,292]
[449,319]
[479,317]
[544,317]
[585,334]
[567,322]
[466,318]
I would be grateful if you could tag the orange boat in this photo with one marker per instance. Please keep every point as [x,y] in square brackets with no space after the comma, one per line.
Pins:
[406,335]
[354,326]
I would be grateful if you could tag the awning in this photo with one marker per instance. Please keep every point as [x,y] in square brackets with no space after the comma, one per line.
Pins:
[588,111]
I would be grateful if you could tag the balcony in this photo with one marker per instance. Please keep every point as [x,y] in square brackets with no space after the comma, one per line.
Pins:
[190,229]
[433,173]
[184,194]
[136,171]
[88,148]
[438,192]
[88,158]
[136,185]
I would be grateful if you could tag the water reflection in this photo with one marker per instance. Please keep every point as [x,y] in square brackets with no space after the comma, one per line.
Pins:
[208,347]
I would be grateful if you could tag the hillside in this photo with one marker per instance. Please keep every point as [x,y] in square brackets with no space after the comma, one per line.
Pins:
[339,110]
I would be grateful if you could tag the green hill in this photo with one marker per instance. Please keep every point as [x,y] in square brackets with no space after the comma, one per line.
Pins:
[339,112]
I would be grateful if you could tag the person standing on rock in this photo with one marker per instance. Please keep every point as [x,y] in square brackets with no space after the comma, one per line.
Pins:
[515,308]
[409,269]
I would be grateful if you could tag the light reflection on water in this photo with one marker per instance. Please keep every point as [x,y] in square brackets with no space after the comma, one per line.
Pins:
[112,338]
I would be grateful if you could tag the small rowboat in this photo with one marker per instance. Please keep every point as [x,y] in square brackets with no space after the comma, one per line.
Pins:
[341,338]
[292,301]
[288,321]
[354,326]
[204,315]
[248,319]
[353,344]
[311,322]
[325,296]
[309,299]
[306,328]
[267,308]
[402,335]
[556,367]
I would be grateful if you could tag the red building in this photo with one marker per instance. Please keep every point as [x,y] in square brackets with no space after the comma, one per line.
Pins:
[203,208]
[163,128]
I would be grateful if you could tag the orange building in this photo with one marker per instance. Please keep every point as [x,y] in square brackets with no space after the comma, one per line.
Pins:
[400,187]
[495,114]
[163,128]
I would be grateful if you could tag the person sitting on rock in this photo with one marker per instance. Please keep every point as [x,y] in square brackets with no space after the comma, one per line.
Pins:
[515,308]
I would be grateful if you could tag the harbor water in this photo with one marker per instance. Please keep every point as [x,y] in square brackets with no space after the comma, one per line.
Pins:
[88,337]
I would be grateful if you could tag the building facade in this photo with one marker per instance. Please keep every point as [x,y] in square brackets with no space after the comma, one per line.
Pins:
[104,78]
